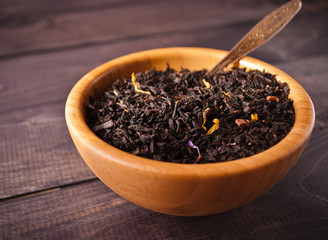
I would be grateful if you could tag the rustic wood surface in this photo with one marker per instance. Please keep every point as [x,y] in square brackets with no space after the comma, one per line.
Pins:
[47,191]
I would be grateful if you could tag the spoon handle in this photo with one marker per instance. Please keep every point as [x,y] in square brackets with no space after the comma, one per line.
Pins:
[264,30]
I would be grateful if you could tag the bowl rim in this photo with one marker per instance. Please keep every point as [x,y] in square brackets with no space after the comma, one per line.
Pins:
[295,139]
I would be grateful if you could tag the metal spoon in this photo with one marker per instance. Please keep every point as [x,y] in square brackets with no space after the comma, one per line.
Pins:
[264,30]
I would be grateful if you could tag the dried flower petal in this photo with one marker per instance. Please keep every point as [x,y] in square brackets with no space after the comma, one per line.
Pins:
[219,149]
[214,127]
[242,123]
[272,99]
[195,147]
[133,79]
[204,117]
[254,117]
[123,105]
[207,84]
[227,94]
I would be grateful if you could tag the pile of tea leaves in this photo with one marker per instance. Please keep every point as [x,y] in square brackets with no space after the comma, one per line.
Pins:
[193,117]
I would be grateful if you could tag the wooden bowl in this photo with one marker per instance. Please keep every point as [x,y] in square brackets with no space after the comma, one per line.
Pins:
[184,189]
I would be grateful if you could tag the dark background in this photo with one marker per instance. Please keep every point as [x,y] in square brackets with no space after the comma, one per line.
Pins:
[47,191]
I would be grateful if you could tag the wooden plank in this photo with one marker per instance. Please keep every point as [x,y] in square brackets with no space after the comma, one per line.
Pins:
[34,104]
[37,152]
[10,9]
[20,10]
[36,25]
[310,73]
[50,76]
[293,209]
[299,39]
[110,24]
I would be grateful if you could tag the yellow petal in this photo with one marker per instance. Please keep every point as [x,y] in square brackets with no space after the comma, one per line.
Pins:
[142,91]
[204,117]
[254,117]
[133,79]
[227,94]
[207,84]
[214,127]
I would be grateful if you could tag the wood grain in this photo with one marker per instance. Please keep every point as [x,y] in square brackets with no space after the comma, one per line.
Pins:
[36,76]
[51,75]
[184,189]
[37,153]
[93,211]
[19,10]
[313,82]
[54,24]
[115,24]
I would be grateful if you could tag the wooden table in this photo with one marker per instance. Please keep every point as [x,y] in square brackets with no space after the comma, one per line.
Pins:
[47,191]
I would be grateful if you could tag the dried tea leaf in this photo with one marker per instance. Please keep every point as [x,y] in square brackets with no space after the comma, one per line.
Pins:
[180,114]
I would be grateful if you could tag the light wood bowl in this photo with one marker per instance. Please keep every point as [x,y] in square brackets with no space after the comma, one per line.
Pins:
[184,189]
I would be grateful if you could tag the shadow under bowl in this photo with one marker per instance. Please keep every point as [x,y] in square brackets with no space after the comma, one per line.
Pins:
[184,189]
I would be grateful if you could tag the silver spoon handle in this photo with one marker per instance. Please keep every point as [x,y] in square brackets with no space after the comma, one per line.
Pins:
[268,27]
